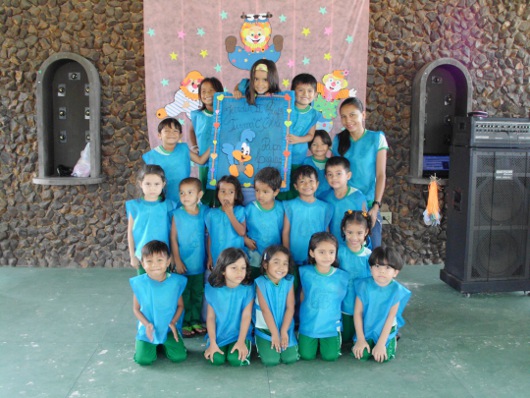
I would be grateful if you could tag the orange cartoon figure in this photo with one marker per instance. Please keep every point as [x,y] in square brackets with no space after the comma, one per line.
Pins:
[240,152]
[186,98]
[334,86]
[255,34]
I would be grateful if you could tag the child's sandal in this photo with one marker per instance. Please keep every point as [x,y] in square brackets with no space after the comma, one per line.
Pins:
[187,331]
[198,329]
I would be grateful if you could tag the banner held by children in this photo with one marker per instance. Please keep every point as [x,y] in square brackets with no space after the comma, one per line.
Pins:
[247,138]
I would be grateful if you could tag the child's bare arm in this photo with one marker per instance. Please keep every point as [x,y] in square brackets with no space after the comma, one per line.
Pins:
[149,327]
[379,351]
[240,345]
[178,313]
[210,326]
[294,139]
[269,320]
[193,140]
[239,227]
[200,159]
[286,232]
[209,262]
[130,240]
[287,318]
[237,94]
[360,344]
[173,239]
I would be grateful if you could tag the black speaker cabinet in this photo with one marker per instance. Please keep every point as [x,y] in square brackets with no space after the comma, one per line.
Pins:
[488,220]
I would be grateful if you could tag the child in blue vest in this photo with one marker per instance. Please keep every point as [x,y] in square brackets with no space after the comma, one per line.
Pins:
[274,308]
[201,129]
[304,215]
[158,306]
[379,306]
[304,118]
[188,248]
[353,258]
[172,156]
[226,224]
[264,217]
[341,196]
[230,295]
[319,147]
[324,287]
[148,217]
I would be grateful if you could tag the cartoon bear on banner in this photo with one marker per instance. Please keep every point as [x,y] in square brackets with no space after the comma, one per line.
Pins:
[186,98]
[255,35]
[329,94]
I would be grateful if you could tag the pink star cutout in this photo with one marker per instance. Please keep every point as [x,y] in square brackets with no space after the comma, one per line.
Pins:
[181,34]
[328,30]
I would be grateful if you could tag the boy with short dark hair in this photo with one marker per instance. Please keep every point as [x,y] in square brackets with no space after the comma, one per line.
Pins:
[304,215]
[264,217]
[188,248]
[341,196]
[379,307]
[158,306]
[173,156]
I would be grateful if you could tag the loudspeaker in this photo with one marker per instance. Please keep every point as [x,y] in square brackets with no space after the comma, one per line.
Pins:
[488,220]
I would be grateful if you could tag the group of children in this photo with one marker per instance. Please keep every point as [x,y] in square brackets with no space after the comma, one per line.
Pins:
[269,264]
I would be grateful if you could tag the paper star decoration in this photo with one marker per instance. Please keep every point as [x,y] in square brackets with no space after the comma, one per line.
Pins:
[327,56]
[200,32]
[306,31]
[282,18]
[181,34]
[349,39]
[173,56]
[151,32]
[290,64]
[204,53]
[217,68]
[305,61]
[182,122]
[328,30]
[224,14]
[285,82]
[164,82]
[323,10]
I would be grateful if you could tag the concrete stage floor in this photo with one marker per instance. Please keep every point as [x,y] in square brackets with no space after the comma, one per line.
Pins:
[70,333]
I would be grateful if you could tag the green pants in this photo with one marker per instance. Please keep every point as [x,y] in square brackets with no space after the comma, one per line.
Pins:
[329,347]
[192,297]
[348,329]
[231,357]
[270,357]
[390,350]
[208,196]
[292,193]
[146,352]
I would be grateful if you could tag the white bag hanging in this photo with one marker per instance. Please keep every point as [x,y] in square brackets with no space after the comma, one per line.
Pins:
[82,167]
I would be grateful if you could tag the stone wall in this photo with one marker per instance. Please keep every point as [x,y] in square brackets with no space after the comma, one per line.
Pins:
[86,225]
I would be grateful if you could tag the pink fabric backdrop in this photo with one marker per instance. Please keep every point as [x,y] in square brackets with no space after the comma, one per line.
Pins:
[319,37]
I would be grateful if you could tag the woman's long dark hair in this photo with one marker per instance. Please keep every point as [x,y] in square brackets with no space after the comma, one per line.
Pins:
[344,135]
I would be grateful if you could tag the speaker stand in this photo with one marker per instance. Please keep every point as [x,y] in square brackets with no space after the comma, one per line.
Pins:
[490,286]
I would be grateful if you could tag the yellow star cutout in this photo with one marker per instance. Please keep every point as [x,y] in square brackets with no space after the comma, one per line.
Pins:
[327,56]
[285,82]
[204,53]
[173,56]
[306,31]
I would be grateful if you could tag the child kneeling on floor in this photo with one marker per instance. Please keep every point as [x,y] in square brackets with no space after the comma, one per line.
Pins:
[158,305]
[379,307]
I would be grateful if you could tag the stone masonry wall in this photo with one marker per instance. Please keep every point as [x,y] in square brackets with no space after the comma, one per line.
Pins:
[85,226]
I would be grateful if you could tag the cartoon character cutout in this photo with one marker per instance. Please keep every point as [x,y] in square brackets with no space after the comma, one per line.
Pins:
[239,155]
[330,92]
[186,98]
[255,34]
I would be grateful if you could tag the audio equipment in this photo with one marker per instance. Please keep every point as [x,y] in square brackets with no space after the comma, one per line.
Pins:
[488,215]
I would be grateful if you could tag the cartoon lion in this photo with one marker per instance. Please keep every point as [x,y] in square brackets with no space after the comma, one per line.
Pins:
[186,98]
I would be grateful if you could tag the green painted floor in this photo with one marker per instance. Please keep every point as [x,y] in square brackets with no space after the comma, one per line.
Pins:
[70,333]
